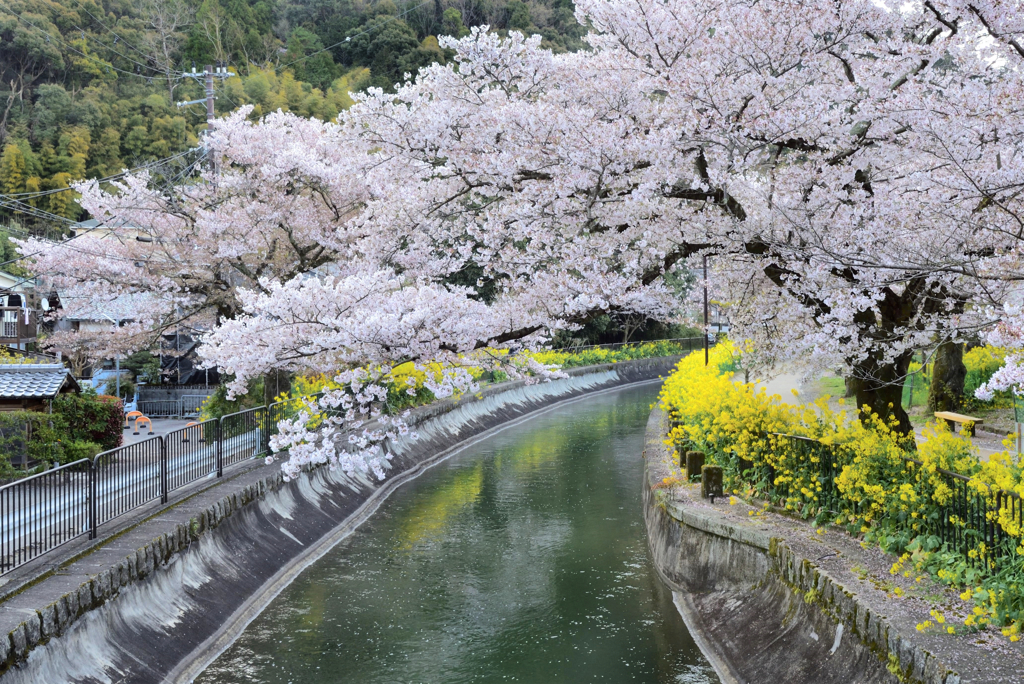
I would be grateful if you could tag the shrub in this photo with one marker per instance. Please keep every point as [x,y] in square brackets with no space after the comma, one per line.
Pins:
[981,363]
[218,404]
[127,387]
[91,417]
[29,434]
[78,449]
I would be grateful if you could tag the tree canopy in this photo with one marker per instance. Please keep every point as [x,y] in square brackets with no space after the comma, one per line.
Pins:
[852,171]
[88,87]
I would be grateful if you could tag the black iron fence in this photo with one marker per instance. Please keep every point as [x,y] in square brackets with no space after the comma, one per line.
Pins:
[47,510]
[186,405]
[50,511]
[970,513]
[689,344]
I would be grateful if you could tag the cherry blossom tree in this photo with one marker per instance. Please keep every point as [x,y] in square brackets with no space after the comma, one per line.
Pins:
[852,169]
[164,259]
[856,151]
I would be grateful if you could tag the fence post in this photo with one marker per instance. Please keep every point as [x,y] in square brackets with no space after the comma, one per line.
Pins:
[163,469]
[93,508]
[219,436]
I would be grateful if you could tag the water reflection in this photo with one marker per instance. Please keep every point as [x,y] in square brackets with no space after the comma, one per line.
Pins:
[523,559]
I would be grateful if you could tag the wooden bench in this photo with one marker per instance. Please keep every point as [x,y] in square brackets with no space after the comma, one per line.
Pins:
[953,418]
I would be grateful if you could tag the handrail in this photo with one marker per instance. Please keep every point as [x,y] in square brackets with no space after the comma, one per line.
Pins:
[44,511]
[576,347]
[950,473]
[62,466]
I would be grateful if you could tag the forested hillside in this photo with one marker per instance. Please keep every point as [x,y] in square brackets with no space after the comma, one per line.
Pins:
[89,87]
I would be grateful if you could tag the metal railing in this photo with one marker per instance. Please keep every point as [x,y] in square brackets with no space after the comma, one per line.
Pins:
[160,408]
[688,343]
[969,515]
[188,405]
[49,509]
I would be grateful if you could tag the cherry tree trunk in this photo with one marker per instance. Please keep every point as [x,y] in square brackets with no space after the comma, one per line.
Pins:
[948,376]
[878,388]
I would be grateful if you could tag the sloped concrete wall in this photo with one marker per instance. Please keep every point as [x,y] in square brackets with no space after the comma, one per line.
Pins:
[164,611]
[761,613]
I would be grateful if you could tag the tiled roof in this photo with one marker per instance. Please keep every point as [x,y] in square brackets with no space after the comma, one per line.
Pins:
[32,380]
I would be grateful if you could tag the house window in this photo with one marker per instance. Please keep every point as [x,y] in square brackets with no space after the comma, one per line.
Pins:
[10,324]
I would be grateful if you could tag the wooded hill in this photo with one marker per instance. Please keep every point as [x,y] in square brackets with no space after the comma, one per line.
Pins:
[88,88]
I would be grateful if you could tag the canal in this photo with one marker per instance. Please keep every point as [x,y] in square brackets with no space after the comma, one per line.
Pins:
[521,559]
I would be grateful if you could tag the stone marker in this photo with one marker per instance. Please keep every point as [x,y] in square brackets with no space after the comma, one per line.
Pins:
[694,462]
[711,481]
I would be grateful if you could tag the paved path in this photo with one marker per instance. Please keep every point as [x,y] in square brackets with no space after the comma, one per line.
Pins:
[783,385]
[161,426]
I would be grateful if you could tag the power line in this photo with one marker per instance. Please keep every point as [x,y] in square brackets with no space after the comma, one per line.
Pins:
[355,35]
[162,72]
[106,65]
[147,165]
[117,37]
[35,212]
[29,210]
[76,235]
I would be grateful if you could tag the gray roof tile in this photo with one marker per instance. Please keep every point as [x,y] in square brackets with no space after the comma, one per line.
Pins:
[31,380]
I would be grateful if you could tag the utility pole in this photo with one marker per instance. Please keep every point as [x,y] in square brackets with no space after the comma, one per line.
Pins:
[210,116]
[706,345]
[207,76]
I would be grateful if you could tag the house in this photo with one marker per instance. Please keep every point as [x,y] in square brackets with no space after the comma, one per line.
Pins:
[179,361]
[18,321]
[32,386]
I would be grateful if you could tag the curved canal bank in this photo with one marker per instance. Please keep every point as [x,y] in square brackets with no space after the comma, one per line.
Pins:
[522,558]
[159,612]
[769,599]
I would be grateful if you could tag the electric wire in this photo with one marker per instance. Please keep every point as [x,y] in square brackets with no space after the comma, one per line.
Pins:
[100,62]
[355,35]
[162,73]
[143,167]
[117,37]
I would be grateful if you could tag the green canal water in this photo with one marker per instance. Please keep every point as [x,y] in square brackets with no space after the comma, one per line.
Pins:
[521,559]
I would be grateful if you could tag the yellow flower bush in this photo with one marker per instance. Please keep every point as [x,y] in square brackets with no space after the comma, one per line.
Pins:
[831,466]
[407,384]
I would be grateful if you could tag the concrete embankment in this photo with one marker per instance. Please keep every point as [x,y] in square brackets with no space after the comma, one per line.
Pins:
[158,599]
[770,598]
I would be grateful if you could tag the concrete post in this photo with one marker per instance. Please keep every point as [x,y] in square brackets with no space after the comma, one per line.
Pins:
[711,481]
[694,462]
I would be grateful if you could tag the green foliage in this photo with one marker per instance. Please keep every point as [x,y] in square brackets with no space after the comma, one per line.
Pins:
[92,418]
[144,367]
[32,434]
[218,404]
[451,23]
[127,387]
[86,106]
[12,169]
[78,449]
